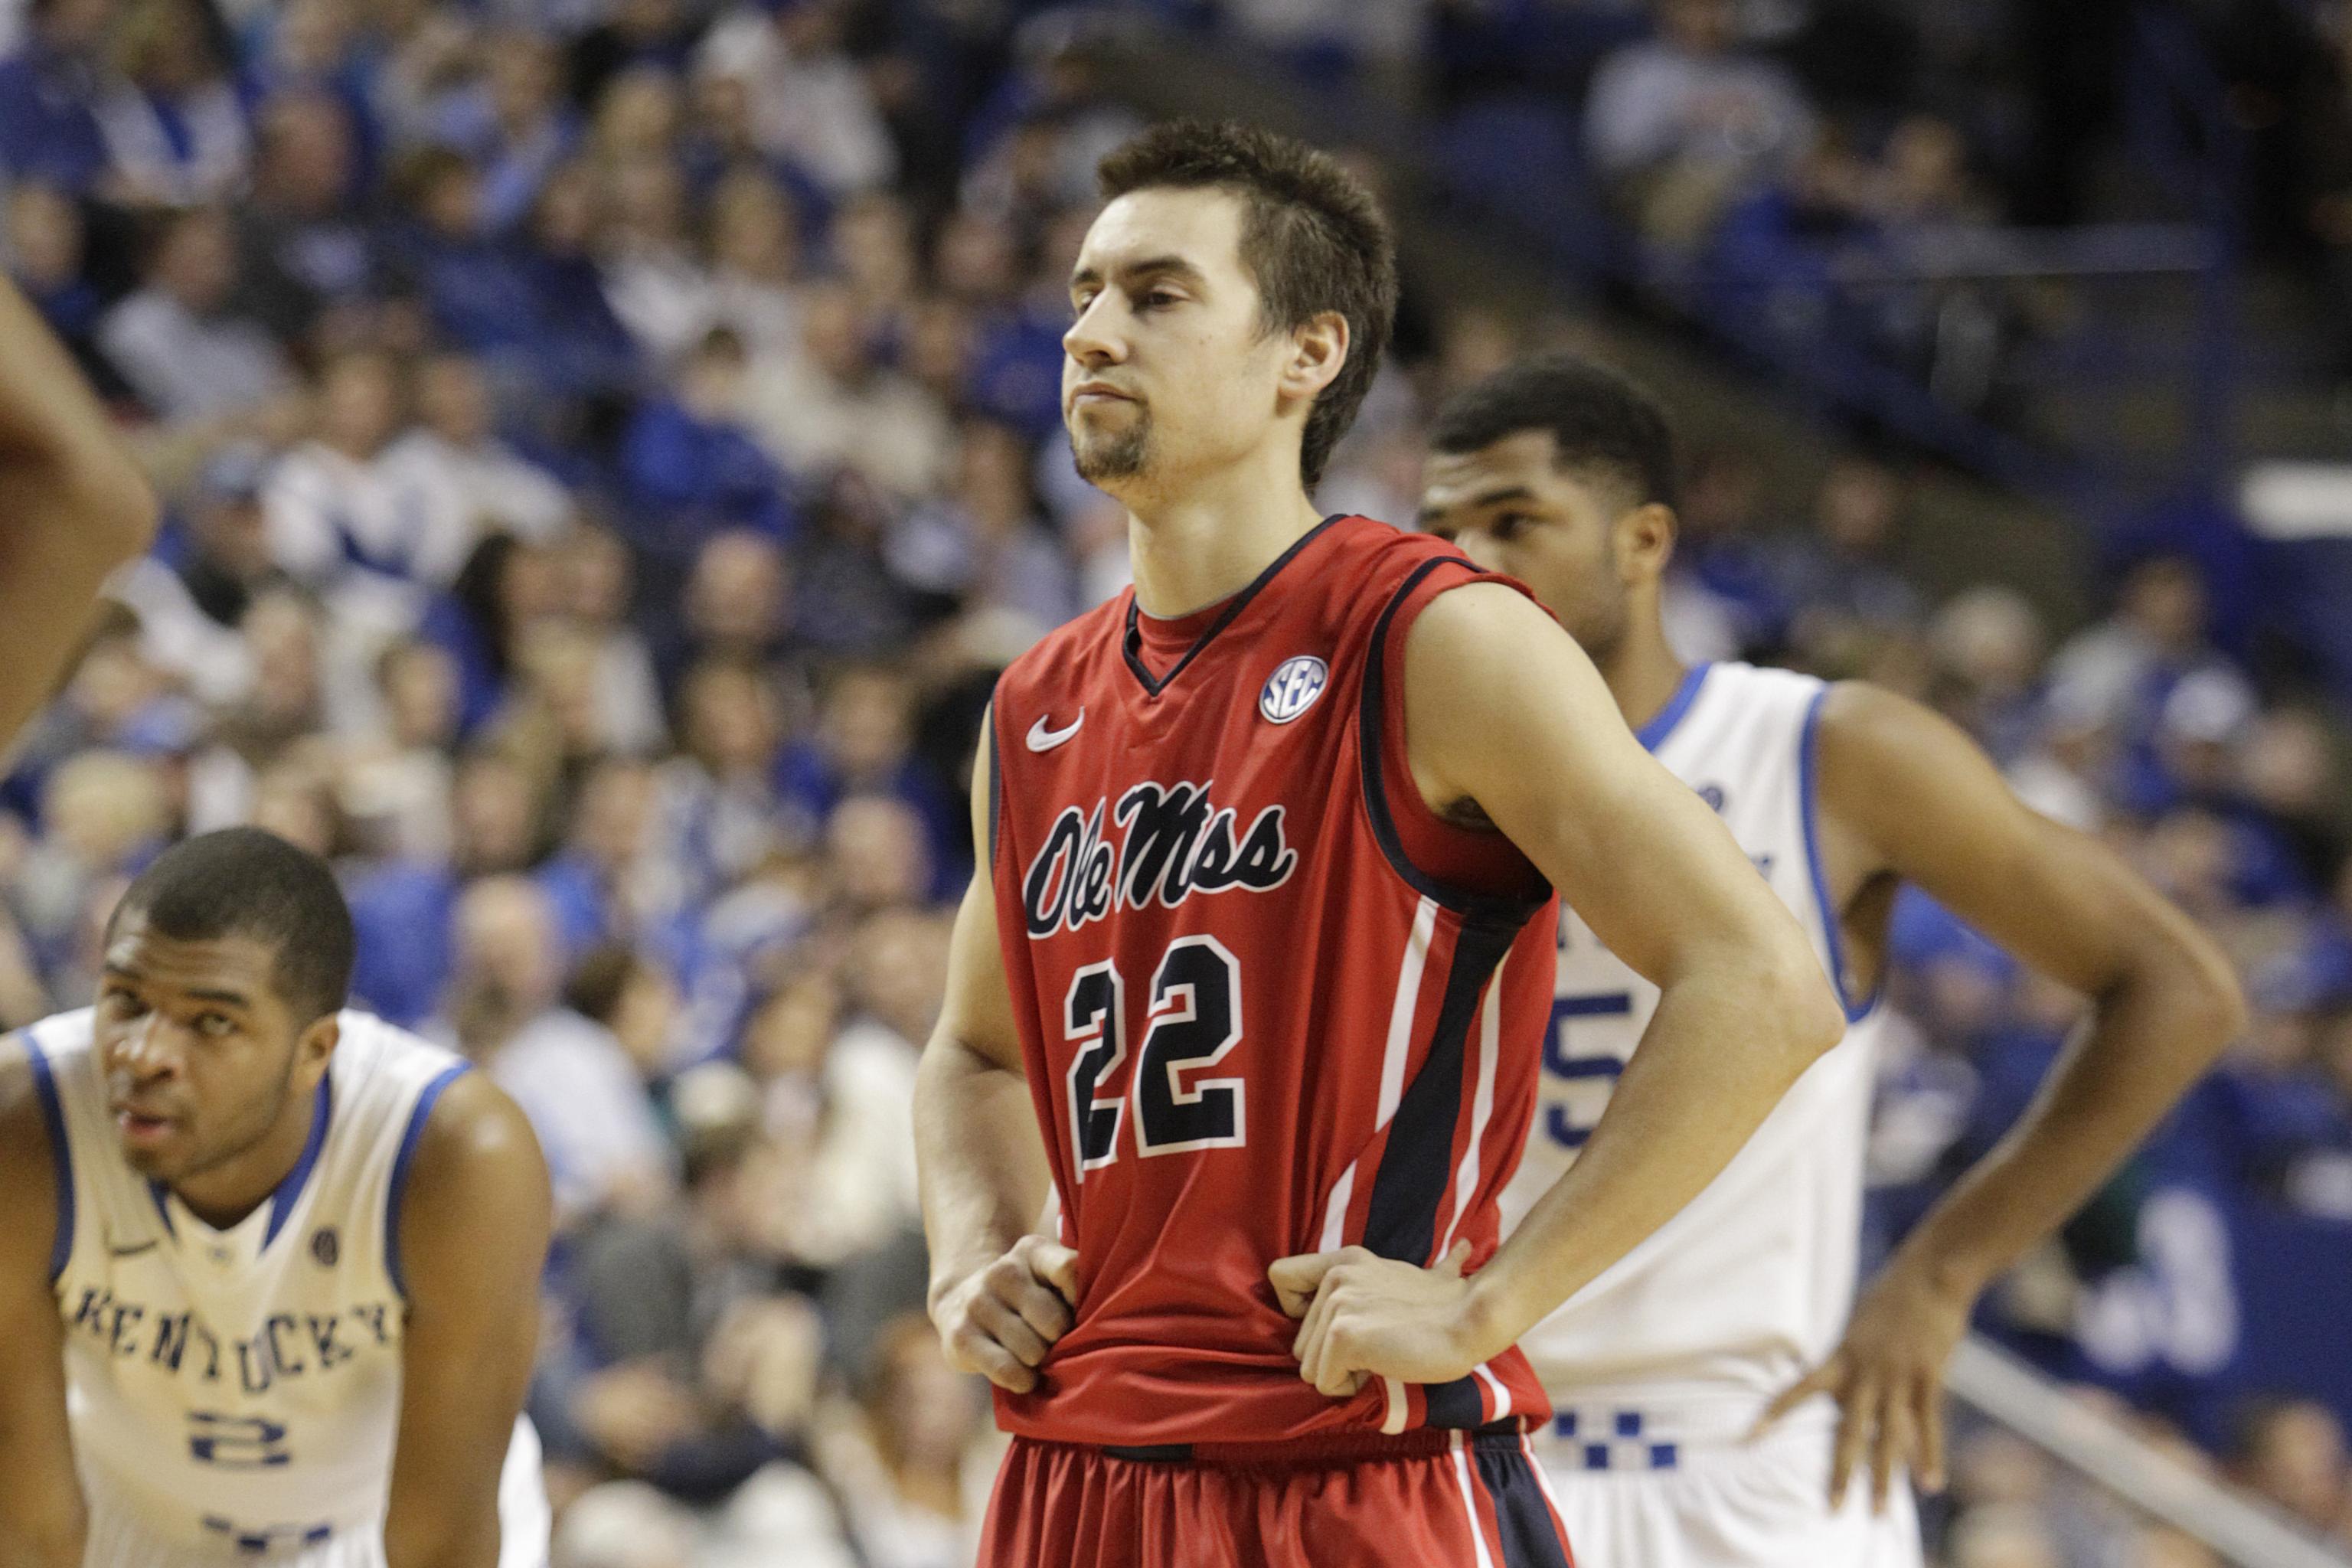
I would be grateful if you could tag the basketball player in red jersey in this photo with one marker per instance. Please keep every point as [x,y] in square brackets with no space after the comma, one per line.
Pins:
[73,507]
[1261,942]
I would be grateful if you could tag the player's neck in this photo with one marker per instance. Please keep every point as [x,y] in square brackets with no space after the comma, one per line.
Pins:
[225,1194]
[1643,673]
[1210,542]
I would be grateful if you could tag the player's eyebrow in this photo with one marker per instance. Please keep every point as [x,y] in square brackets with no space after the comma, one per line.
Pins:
[237,999]
[1136,272]
[1484,499]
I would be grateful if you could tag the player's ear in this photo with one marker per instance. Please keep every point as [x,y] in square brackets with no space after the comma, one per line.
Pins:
[315,1045]
[1318,352]
[1646,540]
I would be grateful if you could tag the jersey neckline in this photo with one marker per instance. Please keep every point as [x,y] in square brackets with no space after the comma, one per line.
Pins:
[283,1199]
[1662,723]
[1131,641]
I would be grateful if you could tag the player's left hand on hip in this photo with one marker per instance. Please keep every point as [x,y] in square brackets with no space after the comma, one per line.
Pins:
[1887,1377]
[1365,1316]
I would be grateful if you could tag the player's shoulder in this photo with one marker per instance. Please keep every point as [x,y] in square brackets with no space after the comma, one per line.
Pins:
[1069,652]
[472,1146]
[29,1154]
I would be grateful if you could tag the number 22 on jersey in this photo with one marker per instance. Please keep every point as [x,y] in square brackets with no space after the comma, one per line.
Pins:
[1195,1019]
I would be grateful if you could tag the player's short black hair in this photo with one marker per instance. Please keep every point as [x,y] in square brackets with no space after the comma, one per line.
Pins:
[1597,417]
[243,881]
[1313,239]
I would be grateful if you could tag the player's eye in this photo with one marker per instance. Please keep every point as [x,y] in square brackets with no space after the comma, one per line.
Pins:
[122,1003]
[1156,298]
[215,1026]
[1509,526]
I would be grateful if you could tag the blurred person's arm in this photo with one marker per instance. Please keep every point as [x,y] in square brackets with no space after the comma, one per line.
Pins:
[1000,1295]
[1503,711]
[1905,795]
[73,507]
[42,1518]
[471,1242]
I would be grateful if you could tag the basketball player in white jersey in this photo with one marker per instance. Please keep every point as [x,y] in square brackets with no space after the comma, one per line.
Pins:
[1689,1433]
[73,507]
[269,1269]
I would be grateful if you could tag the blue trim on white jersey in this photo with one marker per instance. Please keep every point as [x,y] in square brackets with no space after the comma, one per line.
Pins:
[414,1133]
[53,1120]
[1832,927]
[1662,723]
[282,1201]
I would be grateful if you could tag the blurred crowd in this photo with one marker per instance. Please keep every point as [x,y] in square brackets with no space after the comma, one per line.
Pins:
[609,447]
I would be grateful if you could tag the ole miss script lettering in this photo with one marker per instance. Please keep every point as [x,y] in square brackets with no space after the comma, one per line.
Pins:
[1175,842]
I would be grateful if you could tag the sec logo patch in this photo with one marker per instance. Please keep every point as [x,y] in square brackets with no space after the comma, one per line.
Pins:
[1293,688]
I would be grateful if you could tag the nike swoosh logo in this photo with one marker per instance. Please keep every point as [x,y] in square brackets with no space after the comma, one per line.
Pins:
[147,1246]
[1041,739]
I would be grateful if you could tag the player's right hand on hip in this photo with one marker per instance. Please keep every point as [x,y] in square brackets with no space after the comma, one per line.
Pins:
[999,1320]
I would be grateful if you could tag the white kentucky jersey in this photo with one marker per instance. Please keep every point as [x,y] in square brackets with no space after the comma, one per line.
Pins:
[238,1391]
[1750,1285]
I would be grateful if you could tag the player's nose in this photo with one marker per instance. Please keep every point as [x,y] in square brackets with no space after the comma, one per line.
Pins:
[1093,339]
[148,1049]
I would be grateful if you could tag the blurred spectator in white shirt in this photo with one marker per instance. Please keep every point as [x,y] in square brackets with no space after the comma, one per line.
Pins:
[176,341]
[1681,124]
[810,102]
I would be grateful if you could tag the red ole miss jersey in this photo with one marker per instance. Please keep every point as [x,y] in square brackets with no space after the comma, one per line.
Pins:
[1256,1021]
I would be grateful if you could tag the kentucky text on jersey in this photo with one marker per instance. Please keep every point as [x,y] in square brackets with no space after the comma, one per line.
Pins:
[1177,843]
[290,1344]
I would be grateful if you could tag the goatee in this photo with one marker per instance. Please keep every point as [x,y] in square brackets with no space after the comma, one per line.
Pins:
[1118,455]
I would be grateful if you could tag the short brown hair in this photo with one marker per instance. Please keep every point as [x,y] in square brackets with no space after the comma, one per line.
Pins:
[1313,239]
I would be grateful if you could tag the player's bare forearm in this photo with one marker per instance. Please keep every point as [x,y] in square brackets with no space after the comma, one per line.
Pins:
[73,506]
[1915,792]
[2148,1039]
[1724,1043]
[43,1520]
[981,1165]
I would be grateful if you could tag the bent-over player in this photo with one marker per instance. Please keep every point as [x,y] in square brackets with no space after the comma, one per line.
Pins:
[1562,474]
[269,1269]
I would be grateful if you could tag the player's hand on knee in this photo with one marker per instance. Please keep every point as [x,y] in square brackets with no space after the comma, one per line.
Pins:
[1002,1320]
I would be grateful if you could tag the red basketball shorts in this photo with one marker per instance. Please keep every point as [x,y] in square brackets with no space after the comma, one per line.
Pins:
[1428,1498]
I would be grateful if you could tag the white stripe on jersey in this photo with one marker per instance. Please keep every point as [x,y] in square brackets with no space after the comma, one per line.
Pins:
[1482,1103]
[1401,1009]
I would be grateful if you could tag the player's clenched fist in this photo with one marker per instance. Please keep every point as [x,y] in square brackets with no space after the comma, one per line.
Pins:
[1363,1315]
[999,1320]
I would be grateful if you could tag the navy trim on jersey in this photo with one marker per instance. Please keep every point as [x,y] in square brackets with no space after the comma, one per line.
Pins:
[1131,644]
[161,1196]
[1662,723]
[1402,1221]
[1486,908]
[409,1138]
[1523,1518]
[1454,1403]
[289,1191]
[1832,927]
[53,1122]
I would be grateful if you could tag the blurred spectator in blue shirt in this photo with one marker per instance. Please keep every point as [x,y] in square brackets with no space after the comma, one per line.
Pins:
[49,92]
[690,465]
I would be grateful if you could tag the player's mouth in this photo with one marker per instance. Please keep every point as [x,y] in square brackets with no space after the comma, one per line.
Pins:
[143,1129]
[1087,392]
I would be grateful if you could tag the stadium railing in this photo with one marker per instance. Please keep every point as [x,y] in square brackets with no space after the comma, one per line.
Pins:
[2004,1389]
